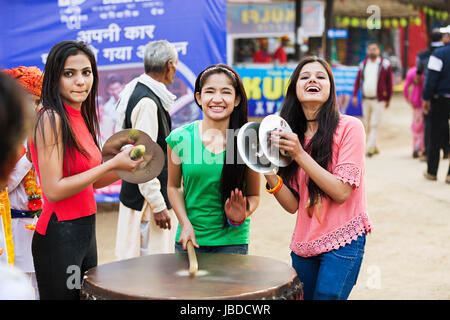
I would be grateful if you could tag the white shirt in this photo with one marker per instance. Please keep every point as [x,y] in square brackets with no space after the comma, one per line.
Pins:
[145,117]
[18,198]
[14,284]
[370,83]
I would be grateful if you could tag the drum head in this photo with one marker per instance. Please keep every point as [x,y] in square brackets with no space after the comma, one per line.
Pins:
[165,276]
[268,124]
[249,149]
[153,162]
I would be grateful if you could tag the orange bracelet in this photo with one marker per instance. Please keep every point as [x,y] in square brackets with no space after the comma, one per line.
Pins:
[277,187]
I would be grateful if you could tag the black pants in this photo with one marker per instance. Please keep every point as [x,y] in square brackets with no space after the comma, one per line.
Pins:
[63,255]
[426,132]
[439,132]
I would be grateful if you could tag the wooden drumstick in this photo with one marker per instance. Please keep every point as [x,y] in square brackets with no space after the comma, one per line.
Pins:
[193,264]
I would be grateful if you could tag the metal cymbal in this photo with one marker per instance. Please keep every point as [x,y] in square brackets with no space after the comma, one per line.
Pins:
[153,162]
[249,148]
[269,124]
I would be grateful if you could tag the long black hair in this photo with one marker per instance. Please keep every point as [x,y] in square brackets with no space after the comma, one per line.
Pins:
[234,171]
[51,97]
[320,146]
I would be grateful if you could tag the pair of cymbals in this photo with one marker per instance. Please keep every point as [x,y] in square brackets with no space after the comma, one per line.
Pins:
[255,148]
[153,162]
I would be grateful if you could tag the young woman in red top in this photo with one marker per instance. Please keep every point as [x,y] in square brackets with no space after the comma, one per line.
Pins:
[68,160]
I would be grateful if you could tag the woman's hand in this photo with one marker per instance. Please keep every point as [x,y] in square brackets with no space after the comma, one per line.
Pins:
[287,141]
[122,161]
[187,233]
[236,206]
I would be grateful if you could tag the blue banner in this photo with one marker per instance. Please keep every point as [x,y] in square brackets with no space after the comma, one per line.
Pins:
[117,32]
[266,88]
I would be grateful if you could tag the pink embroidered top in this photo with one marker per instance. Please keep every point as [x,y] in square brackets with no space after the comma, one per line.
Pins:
[416,94]
[83,203]
[336,224]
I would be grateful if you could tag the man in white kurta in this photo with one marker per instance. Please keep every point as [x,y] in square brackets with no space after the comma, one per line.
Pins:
[152,229]
[137,231]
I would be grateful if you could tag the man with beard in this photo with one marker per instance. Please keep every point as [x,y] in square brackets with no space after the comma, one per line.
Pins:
[375,79]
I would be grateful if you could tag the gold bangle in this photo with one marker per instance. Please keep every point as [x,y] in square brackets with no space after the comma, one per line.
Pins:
[277,187]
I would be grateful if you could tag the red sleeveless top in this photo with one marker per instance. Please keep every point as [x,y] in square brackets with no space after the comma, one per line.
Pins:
[83,203]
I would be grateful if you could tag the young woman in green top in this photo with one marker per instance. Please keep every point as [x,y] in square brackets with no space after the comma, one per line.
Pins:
[211,193]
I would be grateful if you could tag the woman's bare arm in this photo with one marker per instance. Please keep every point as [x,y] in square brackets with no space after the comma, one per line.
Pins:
[50,157]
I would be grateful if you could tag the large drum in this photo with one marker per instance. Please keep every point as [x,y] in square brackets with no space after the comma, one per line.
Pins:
[219,276]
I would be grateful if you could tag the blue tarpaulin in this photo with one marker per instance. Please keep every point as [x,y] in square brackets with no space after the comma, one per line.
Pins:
[117,31]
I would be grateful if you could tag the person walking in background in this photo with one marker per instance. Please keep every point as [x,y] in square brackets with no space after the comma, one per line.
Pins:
[396,64]
[146,219]
[436,96]
[421,67]
[415,100]
[375,79]
[446,147]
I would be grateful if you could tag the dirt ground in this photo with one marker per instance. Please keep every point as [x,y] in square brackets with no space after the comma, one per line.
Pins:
[407,255]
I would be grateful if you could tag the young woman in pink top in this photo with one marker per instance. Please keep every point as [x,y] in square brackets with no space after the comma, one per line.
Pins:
[68,161]
[415,99]
[325,183]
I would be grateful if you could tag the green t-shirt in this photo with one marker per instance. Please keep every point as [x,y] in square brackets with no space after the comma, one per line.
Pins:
[201,170]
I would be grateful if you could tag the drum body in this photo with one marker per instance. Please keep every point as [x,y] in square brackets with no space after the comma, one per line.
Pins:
[166,277]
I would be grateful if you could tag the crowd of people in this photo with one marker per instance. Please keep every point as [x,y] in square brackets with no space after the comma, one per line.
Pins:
[426,88]
[258,51]
[52,164]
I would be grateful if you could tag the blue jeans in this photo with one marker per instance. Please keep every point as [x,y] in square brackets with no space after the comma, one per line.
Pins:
[237,249]
[330,275]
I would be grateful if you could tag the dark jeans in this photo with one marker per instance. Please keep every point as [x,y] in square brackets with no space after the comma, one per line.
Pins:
[237,249]
[63,255]
[439,132]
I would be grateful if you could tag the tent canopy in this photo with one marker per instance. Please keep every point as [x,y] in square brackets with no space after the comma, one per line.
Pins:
[358,9]
[434,4]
